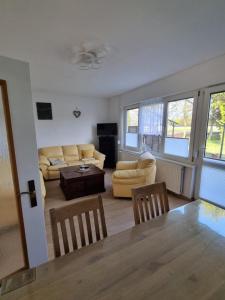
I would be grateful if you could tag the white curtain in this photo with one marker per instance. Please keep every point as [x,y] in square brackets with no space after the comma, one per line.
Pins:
[151,119]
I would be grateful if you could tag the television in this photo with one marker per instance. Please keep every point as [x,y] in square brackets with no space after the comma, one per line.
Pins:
[107,129]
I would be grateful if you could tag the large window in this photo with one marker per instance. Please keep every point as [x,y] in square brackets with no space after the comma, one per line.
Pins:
[151,126]
[178,127]
[215,143]
[162,126]
[132,122]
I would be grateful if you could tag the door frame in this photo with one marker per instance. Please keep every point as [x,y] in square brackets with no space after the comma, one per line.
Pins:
[12,157]
[203,115]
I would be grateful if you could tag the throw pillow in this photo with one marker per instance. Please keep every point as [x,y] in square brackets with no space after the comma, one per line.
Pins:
[56,161]
[87,153]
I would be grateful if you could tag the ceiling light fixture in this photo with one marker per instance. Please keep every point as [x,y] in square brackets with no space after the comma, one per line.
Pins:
[89,55]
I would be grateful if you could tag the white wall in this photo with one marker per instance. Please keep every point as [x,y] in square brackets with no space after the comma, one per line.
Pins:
[17,75]
[199,76]
[65,129]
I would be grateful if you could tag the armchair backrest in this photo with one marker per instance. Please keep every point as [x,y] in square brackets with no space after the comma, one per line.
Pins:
[146,160]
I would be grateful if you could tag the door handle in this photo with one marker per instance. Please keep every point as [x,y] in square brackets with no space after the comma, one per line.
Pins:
[31,193]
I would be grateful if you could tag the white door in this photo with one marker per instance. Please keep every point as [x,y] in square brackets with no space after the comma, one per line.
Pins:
[16,75]
[211,168]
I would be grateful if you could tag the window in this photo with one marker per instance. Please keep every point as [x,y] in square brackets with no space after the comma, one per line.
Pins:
[178,127]
[215,144]
[151,126]
[132,121]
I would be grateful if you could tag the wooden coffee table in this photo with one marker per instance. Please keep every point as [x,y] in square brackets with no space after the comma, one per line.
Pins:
[76,183]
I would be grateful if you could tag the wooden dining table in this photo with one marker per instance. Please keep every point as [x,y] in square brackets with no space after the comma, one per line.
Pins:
[180,255]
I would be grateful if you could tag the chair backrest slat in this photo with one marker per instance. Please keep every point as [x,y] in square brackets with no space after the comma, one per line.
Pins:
[161,199]
[151,206]
[149,202]
[102,217]
[156,204]
[78,230]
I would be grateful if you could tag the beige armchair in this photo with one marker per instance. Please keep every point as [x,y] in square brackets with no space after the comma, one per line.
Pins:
[132,174]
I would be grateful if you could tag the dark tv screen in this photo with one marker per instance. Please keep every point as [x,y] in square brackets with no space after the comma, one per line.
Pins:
[107,129]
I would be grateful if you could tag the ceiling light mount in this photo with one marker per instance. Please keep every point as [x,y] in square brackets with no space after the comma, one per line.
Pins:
[89,55]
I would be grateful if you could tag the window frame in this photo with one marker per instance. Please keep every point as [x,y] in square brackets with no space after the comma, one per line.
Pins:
[149,102]
[190,160]
[190,157]
[126,108]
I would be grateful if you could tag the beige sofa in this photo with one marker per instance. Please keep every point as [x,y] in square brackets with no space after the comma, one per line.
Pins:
[69,155]
[132,174]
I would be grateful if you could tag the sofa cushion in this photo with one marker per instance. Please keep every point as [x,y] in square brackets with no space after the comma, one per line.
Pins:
[85,147]
[75,163]
[87,153]
[56,161]
[70,153]
[80,162]
[52,152]
[43,160]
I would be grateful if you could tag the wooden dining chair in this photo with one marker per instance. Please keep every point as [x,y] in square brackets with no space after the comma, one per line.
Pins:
[77,225]
[149,202]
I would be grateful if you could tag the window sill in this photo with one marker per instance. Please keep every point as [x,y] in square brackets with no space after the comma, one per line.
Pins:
[185,164]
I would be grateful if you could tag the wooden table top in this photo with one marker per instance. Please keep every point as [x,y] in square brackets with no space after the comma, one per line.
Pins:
[178,256]
[75,172]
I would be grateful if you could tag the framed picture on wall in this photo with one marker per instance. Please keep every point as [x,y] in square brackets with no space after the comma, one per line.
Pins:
[44,111]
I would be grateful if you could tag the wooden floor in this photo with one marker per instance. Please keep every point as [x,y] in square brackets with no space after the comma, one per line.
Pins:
[11,252]
[118,212]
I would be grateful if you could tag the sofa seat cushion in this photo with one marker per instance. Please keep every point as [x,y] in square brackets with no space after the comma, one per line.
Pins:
[57,167]
[75,163]
[80,162]
[91,161]
[70,153]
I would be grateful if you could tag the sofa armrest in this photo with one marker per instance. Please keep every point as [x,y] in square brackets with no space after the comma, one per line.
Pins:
[43,189]
[44,171]
[101,157]
[98,155]
[126,174]
[126,165]
[43,160]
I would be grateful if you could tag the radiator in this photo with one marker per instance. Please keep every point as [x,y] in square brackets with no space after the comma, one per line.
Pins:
[172,174]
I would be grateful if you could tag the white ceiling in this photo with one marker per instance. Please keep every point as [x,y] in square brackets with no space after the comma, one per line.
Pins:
[150,39]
